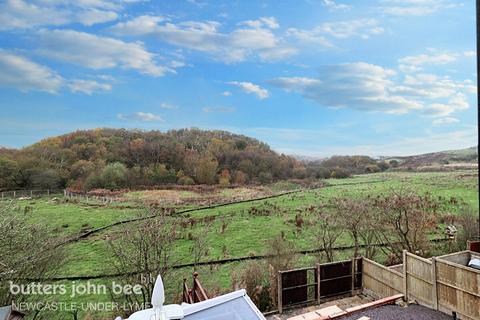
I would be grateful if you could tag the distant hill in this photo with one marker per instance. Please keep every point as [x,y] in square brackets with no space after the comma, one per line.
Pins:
[117,158]
[468,155]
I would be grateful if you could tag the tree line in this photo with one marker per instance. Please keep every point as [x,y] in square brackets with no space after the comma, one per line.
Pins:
[120,158]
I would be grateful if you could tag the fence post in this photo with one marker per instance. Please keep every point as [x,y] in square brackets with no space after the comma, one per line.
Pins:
[14,194]
[48,192]
[405,274]
[318,283]
[279,292]
[434,282]
[353,275]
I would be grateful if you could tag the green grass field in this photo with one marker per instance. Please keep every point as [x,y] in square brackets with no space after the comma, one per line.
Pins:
[245,234]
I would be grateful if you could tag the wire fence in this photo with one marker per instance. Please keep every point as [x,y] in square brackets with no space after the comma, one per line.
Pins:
[30,194]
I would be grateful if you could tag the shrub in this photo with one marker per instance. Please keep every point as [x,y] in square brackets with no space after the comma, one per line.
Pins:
[265,177]
[45,179]
[186,181]
[254,279]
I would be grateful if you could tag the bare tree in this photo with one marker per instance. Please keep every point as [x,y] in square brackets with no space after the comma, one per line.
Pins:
[468,221]
[199,248]
[282,257]
[358,218]
[28,252]
[405,221]
[140,255]
[328,231]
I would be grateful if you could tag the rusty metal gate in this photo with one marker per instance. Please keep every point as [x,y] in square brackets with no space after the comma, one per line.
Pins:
[312,285]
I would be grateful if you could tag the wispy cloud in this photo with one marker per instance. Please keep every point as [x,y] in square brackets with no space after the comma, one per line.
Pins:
[218,109]
[97,52]
[470,53]
[254,38]
[267,22]
[21,73]
[325,33]
[140,117]
[20,14]
[169,106]
[88,86]
[26,75]
[415,63]
[416,7]
[335,5]
[368,87]
[446,120]
[251,88]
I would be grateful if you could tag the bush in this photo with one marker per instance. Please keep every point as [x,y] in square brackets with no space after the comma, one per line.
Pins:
[240,177]
[186,181]
[254,279]
[45,179]
[265,177]
[114,176]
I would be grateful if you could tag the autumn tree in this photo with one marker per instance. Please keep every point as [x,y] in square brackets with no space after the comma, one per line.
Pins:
[206,171]
[224,178]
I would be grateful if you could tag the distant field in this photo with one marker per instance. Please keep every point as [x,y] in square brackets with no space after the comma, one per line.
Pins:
[245,233]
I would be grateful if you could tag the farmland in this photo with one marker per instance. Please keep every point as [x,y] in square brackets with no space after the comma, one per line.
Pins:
[230,231]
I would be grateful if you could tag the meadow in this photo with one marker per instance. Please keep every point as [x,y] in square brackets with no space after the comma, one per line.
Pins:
[229,231]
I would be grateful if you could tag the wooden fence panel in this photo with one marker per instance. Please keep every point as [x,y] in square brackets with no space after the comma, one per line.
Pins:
[380,280]
[420,280]
[458,289]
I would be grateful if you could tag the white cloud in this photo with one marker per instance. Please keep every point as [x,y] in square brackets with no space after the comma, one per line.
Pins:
[23,74]
[363,86]
[447,120]
[251,88]
[362,28]
[415,63]
[20,14]
[416,7]
[88,86]
[226,93]
[322,34]
[218,109]
[140,116]
[470,53]
[256,38]
[334,5]
[170,106]
[268,22]
[96,52]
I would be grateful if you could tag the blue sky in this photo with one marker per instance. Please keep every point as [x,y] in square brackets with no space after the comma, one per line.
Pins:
[309,77]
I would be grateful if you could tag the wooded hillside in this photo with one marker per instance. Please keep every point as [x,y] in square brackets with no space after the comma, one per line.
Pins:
[120,158]
[117,158]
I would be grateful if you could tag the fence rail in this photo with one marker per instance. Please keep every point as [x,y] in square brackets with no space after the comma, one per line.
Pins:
[16,194]
[86,197]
